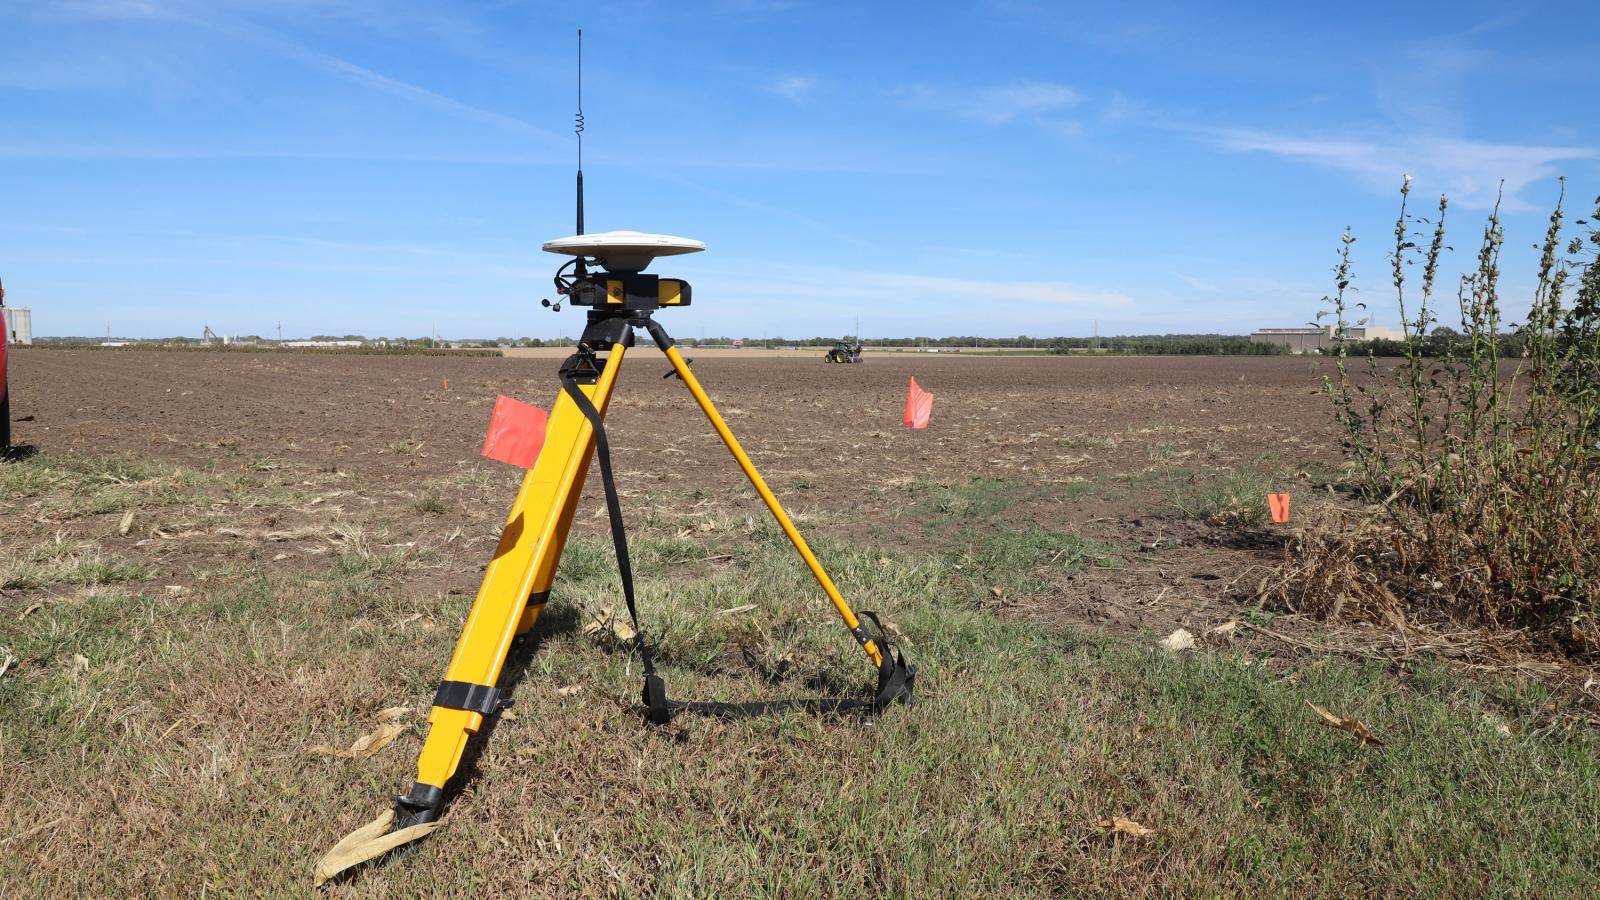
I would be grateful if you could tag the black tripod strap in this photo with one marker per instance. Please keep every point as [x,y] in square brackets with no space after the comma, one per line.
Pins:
[655,690]
[619,533]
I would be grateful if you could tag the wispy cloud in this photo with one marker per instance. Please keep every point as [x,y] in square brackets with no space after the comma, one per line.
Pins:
[764,208]
[155,152]
[794,88]
[852,287]
[209,18]
[779,298]
[1468,171]
[418,95]
[992,105]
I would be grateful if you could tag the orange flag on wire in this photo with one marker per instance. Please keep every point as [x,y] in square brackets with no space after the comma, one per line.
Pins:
[919,406]
[1280,507]
[516,432]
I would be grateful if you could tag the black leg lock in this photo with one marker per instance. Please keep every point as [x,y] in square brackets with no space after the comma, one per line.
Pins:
[479,698]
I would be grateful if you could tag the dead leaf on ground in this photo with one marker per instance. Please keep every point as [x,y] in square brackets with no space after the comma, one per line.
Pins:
[80,664]
[370,743]
[1354,726]
[1124,825]
[1226,629]
[377,739]
[736,610]
[32,608]
[6,663]
[368,842]
[569,690]
[1178,640]
[606,622]
[126,525]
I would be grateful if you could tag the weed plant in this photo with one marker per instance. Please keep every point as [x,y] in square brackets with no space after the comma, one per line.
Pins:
[1485,469]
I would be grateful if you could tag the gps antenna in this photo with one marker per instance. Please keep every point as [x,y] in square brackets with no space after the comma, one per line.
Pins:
[578,130]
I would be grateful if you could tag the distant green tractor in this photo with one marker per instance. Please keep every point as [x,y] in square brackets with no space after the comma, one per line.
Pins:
[844,353]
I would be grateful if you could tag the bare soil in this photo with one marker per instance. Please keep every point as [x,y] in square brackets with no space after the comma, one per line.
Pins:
[1091,445]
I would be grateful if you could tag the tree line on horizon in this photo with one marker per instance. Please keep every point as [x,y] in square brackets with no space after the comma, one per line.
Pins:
[1181,344]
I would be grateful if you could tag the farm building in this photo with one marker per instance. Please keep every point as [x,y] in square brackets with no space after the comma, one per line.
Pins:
[19,324]
[1315,339]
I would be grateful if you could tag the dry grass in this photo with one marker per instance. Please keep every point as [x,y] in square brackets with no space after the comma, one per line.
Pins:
[176,757]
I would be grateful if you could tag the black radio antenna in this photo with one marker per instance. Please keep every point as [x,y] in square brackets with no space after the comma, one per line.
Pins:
[578,130]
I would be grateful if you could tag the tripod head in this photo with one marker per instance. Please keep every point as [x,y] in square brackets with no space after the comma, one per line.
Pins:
[621,284]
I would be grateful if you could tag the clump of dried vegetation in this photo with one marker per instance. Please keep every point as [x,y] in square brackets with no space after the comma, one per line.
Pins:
[1479,453]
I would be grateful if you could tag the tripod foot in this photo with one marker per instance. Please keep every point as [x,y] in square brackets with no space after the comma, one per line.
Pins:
[389,837]
[897,679]
[417,806]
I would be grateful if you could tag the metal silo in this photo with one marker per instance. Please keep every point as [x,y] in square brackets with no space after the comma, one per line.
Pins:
[19,324]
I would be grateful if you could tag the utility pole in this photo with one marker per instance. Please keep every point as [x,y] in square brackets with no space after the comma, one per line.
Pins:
[280,331]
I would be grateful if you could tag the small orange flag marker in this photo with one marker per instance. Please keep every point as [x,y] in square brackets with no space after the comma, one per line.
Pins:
[1280,507]
[516,432]
[919,406]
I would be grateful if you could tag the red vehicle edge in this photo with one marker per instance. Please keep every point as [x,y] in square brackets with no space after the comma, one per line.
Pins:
[5,395]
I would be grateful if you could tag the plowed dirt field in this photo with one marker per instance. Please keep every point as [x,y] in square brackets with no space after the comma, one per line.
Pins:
[1105,447]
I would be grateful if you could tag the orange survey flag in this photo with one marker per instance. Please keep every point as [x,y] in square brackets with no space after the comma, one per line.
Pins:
[516,432]
[919,406]
[1280,507]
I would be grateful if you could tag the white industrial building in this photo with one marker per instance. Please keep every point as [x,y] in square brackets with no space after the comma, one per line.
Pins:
[1317,338]
[19,324]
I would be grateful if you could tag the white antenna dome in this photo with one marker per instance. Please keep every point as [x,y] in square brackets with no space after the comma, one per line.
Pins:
[623,251]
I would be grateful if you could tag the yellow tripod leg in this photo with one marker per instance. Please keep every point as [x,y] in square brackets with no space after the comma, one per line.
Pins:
[511,596]
[545,574]
[706,406]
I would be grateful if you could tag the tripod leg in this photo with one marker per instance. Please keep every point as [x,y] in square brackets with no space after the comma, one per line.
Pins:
[520,573]
[706,406]
[545,574]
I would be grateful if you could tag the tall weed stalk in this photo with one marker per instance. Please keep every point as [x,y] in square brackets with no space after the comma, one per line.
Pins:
[1485,469]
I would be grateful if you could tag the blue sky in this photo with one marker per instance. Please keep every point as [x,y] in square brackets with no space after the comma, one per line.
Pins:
[991,168]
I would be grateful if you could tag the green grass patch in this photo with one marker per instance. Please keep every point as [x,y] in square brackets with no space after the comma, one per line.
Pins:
[980,498]
[70,487]
[429,503]
[59,562]
[1225,497]
[1026,560]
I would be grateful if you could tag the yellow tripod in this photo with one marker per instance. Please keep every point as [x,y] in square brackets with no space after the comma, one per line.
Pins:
[517,583]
